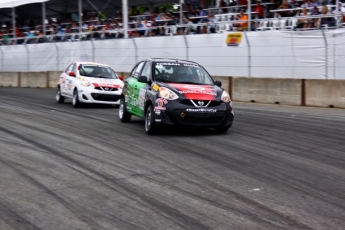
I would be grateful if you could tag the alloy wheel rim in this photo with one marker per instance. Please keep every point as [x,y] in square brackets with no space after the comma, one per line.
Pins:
[58,95]
[121,109]
[74,99]
[148,119]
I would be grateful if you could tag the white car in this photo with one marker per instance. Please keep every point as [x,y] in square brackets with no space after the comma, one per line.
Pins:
[89,82]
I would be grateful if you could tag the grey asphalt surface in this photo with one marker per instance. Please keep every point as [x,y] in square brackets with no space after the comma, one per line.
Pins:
[278,167]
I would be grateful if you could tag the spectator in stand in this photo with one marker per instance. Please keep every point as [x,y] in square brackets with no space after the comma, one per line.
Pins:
[201,12]
[294,4]
[190,25]
[241,26]
[315,3]
[142,26]
[284,6]
[212,23]
[221,5]
[133,11]
[315,12]
[146,11]
[304,23]
[259,10]
[341,11]
[306,4]
[327,20]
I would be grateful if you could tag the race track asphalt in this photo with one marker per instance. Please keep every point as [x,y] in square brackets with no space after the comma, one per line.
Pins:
[278,167]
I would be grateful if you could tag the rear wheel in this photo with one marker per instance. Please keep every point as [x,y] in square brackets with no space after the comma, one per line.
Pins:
[150,124]
[59,98]
[75,101]
[124,116]
[223,129]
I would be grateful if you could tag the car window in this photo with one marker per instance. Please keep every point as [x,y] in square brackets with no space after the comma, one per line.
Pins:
[69,68]
[137,70]
[99,71]
[181,73]
[147,70]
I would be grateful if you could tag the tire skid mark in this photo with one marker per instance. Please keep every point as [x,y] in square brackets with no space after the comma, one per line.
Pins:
[195,151]
[169,211]
[284,218]
[63,202]
[238,165]
[195,196]
[15,220]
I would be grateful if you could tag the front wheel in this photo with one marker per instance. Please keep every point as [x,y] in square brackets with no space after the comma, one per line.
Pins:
[59,98]
[150,124]
[75,101]
[124,116]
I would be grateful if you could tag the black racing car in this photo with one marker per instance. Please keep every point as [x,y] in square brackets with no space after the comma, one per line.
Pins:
[175,92]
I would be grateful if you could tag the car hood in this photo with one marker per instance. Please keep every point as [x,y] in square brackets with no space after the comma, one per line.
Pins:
[196,91]
[105,82]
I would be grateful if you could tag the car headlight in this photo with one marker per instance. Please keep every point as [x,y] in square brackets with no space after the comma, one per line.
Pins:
[225,97]
[84,82]
[167,94]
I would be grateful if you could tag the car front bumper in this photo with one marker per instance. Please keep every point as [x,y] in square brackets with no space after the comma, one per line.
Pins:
[99,96]
[181,115]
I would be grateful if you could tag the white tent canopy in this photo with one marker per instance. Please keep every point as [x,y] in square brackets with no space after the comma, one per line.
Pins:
[15,3]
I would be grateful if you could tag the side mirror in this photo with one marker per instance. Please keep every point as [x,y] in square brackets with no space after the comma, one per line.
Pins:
[143,79]
[218,83]
[121,78]
[72,74]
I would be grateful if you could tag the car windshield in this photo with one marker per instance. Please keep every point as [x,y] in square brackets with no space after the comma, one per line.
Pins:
[175,72]
[97,71]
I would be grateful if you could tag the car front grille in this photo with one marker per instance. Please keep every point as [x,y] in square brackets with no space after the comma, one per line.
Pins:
[107,89]
[105,97]
[196,102]
[200,119]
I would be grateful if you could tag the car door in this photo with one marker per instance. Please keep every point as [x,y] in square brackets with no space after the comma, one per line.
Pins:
[134,91]
[70,80]
[64,82]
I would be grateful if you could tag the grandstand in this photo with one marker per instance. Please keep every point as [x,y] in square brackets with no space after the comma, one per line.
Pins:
[104,19]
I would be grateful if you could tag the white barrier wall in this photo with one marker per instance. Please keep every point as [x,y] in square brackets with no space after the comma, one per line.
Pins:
[269,54]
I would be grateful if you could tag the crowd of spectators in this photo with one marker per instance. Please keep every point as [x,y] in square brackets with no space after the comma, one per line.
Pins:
[163,22]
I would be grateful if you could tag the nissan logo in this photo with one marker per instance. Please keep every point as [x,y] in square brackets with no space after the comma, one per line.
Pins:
[201,103]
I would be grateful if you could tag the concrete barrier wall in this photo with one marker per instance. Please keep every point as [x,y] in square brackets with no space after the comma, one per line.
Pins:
[325,93]
[33,79]
[9,79]
[322,93]
[267,90]
[53,78]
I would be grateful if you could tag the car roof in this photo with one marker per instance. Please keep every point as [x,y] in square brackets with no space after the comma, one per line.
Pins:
[172,60]
[90,63]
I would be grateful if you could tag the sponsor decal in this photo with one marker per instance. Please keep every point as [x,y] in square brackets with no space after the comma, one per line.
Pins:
[142,98]
[166,63]
[155,87]
[190,65]
[106,85]
[195,92]
[202,110]
[233,39]
[160,103]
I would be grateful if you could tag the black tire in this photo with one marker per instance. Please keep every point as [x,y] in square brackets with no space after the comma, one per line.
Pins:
[150,124]
[75,100]
[124,116]
[222,129]
[59,98]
